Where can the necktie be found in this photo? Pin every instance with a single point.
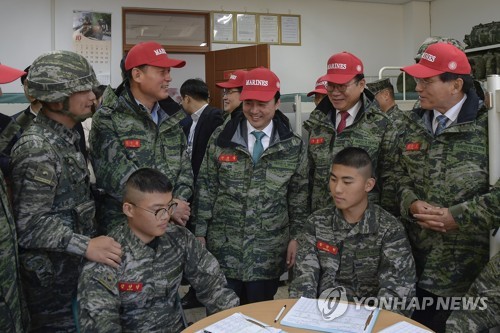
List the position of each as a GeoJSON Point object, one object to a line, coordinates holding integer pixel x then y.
{"type": "Point", "coordinates": [258, 148]}
{"type": "Point", "coordinates": [441, 119]}
{"type": "Point", "coordinates": [343, 121]}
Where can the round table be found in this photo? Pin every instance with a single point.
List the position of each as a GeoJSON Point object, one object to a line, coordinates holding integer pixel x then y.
{"type": "Point", "coordinates": [267, 311]}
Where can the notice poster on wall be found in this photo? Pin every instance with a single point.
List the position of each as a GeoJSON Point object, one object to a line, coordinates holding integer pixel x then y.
{"type": "Point", "coordinates": [92, 39]}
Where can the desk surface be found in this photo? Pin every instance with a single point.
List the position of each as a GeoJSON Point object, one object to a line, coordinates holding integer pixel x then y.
{"type": "Point", "coordinates": [267, 311]}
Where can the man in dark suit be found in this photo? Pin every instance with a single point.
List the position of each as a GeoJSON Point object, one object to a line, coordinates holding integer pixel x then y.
{"type": "Point", "coordinates": [201, 121]}
{"type": "Point", "coordinates": [198, 126]}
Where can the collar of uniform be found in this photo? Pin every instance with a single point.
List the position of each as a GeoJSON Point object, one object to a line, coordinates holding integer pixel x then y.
{"type": "Point", "coordinates": [67, 134]}
{"type": "Point", "coordinates": [235, 131]}
{"type": "Point", "coordinates": [135, 244]}
{"type": "Point", "coordinates": [367, 225]}
{"type": "Point", "coordinates": [268, 130]}
{"type": "Point", "coordinates": [155, 107]}
{"type": "Point", "coordinates": [353, 112]}
{"type": "Point", "coordinates": [469, 111]}
{"type": "Point", "coordinates": [452, 113]}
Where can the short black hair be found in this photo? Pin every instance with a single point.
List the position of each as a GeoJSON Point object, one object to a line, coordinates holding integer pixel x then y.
{"type": "Point", "coordinates": [99, 90]}
{"type": "Point", "coordinates": [149, 180]}
{"type": "Point", "coordinates": [359, 77]}
{"type": "Point", "coordinates": [353, 157]}
{"type": "Point", "coordinates": [277, 97]}
{"type": "Point", "coordinates": [466, 78]}
{"type": "Point", "coordinates": [23, 78]}
{"type": "Point", "coordinates": [195, 88]}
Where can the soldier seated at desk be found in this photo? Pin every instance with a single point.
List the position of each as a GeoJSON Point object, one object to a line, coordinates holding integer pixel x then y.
{"type": "Point", "coordinates": [141, 295]}
{"type": "Point", "coordinates": [354, 244]}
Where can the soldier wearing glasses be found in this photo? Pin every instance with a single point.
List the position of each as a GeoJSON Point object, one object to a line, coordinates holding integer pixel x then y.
{"type": "Point", "coordinates": [347, 118]}
{"type": "Point", "coordinates": [141, 295]}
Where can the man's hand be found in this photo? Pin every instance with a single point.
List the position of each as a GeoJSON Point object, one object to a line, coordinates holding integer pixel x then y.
{"type": "Point", "coordinates": [182, 212]}
{"type": "Point", "coordinates": [422, 207]}
{"type": "Point", "coordinates": [439, 219]}
{"type": "Point", "coordinates": [291, 253]}
{"type": "Point", "coordinates": [105, 250]}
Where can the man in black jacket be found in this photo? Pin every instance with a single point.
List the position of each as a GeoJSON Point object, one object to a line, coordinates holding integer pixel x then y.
{"type": "Point", "coordinates": [201, 121]}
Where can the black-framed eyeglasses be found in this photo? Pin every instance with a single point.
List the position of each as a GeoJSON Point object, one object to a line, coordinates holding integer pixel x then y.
{"type": "Point", "coordinates": [229, 92]}
{"type": "Point", "coordinates": [162, 213]}
{"type": "Point", "coordinates": [330, 87]}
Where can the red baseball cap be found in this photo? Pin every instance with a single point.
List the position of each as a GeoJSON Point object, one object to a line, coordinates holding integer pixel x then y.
{"type": "Point", "coordinates": [150, 53]}
{"type": "Point", "coordinates": [343, 67]}
{"type": "Point", "coordinates": [260, 84]}
{"type": "Point", "coordinates": [9, 74]}
{"type": "Point", "coordinates": [236, 80]}
{"type": "Point", "coordinates": [437, 59]}
{"type": "Point", "coordinates": [320, 87]}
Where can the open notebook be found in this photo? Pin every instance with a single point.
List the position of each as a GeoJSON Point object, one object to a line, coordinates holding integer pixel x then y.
{"type": "Point", "coordinates": [238, 322]}
{"type": "Point", "coordinates": [306, 314]}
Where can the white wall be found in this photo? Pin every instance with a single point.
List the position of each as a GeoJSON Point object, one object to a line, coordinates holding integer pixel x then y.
{"type": "Point", "coordinates": [374, 32]}
{"type": "Point", "coordinates": [25, 33]}
{"type": "Point", "coordinates": [379, 34]}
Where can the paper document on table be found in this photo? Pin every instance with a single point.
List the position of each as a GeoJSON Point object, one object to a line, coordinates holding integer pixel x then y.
{"type": "Point", "coordinates": [238, 322]}
{"type": "Point", "coordinates": [306, 314]}
{"type": "Point", "coordinates": [404, 327]}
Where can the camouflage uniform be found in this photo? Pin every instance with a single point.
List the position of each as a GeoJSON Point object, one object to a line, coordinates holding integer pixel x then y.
{"type": "Point", "coordinates": [486, 285]}
{"type": "Point", "coordinates": [13, 315]}
{"type": "Point", "coordinates": [370, 259]}
{"type": "Point", "coordinates": [11, 129]}
{"type": "Point", "coordinates": [248, 213]}
{"type": "Point", "coordinates": [392, 111]}
{"type": "Point", "coordinates": [449, 170]}
{"type": "Point", "coordinates": [367, 132]}
{"type": "Point", "coordinates": [108, 305]}
{"type": "Point", "coordinates": [123, 139]}
{"type": "Point", "coordinates": [54, 210]}
{"type": "Point", "coordinates": [53, 207]}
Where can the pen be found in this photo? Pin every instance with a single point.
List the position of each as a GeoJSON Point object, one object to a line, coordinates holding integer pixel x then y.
{"type": "Point", "coordinates": [280, 313]}
{"type": "Point", "coordinates": [368, 320]}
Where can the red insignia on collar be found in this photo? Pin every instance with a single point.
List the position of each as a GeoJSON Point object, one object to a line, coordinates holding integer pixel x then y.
{"type": "Point", "coordinates": [228, 158]}
{"type": "Point", "coordinates": [132, 143]}
{"type": "Point", "coordinates": [413, 146]}
{"type": "Point", "coordinates": [130, 286]}
{"type": "Point", "coordinates": [316, 141]}
{"type": "Point", "coordinates": [327, 247]}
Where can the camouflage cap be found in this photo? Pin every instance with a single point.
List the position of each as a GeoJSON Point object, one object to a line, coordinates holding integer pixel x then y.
{"type": "Point", "coordinates": [434, 40]}
{"type": "Point", "coordinates": [379, 85]}
{"type": "Point", "coordinates": [56, 75]}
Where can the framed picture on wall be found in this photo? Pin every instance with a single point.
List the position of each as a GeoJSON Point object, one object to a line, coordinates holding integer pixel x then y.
{"type": "Point", "coordinates": [246, 28]}
{"type": "Point", "coordinates": [269, 29]}
{"type": "Point", "coordinates": [176, 31]}
{"type": "Point", "coordinates": [290, 29]}
{"type": "Point", "coordinates": [223, 27]}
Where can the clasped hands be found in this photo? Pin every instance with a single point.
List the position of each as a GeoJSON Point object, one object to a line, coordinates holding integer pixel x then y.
{"type": "Point", "coordinates": [433, 217]}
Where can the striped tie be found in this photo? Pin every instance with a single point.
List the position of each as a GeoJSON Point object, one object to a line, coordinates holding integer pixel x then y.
{"type": "Point", "coordinates": [442, 120]}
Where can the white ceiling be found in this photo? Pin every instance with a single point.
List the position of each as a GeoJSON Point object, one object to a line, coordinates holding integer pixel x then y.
{"type": "Point", "coordinates": [393, 2]}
